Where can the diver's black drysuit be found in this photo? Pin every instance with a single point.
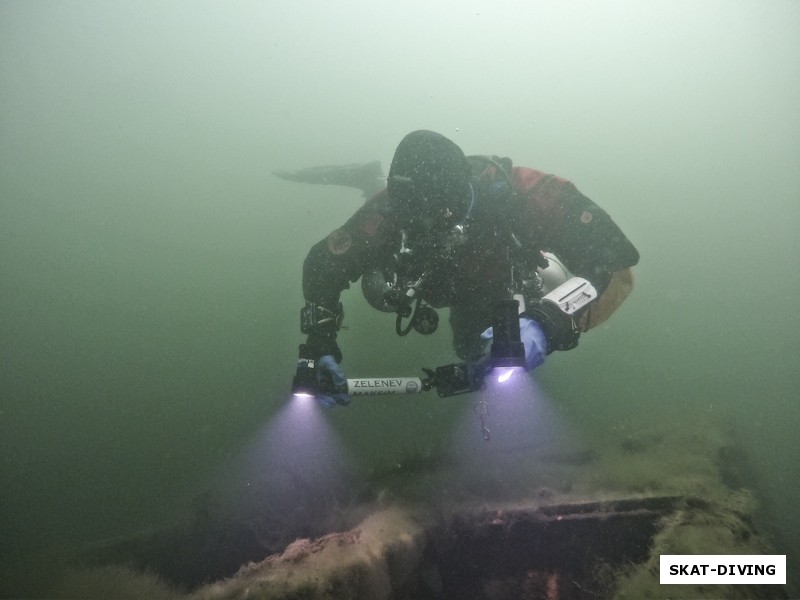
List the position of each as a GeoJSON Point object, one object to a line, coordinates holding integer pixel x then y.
{"type": "Point", "coordinates": [535, 213]}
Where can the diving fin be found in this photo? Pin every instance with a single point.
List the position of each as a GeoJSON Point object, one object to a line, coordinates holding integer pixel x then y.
{"type": "Point", "coordinates": [367, 177]}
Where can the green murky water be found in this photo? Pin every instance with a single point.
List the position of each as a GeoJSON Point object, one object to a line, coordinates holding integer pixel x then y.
{"type": "Point", "coordinates": [150, 263]}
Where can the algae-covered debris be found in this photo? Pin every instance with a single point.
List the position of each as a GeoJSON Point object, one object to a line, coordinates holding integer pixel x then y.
{"type": "Point", "coordinates": [576, 523]}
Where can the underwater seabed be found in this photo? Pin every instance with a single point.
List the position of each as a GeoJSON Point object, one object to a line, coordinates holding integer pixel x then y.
{"type": "Point", "coordinates": [583, 522]}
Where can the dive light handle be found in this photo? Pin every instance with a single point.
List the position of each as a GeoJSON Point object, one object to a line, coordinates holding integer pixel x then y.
{"type": "Point", "coordinates": [384, 386]}
{"type": "Point", "coordinates": [572, 295]}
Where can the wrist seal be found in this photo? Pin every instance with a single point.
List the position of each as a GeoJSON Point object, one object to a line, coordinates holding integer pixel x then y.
{"type": "Point", "coordinates": [321, 324]}
{"type": "Point", "coordinates": [315, 318]}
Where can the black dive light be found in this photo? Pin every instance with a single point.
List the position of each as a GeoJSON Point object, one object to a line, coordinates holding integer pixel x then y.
{"type": "Point", "coordinates": [305, 377]}
{"type": "Point", "coordinates": [507, 349]}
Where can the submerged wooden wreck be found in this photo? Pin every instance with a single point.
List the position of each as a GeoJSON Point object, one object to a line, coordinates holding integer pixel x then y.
{"type": "Point", "coordinates": [577, 524]}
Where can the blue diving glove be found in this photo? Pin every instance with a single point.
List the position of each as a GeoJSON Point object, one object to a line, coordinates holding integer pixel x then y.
{"type": "Point", "coordinates": [332, 383]}
{"type": "Point", "coordinates": [533, 339]}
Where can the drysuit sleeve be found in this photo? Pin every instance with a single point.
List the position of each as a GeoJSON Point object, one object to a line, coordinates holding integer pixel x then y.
{"type": "Point", "coordinates": [335, 262]}
{"type": "Point", "coordinates": [329, 267]}
{"type": "Point", "coordinates": [565, 222]}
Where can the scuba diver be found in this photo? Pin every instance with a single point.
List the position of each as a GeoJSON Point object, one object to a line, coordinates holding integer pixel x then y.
{"type": "Point", "coordinates": [474, 234]}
